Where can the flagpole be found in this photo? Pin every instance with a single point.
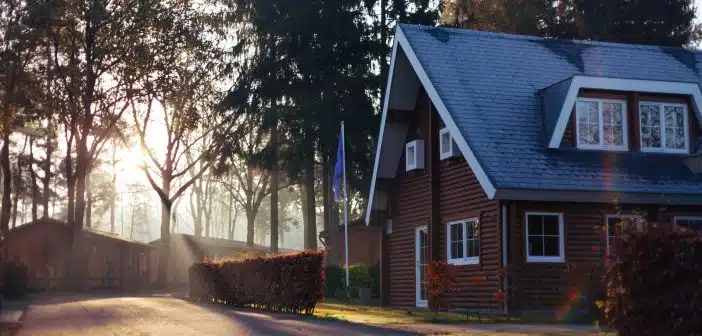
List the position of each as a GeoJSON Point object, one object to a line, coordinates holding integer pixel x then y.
{"type": "Point", "coordinates": [346, 216]}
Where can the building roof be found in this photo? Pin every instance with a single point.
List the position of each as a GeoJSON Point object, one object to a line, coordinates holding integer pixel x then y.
{"type": "Point", "coordinates": [63, 224]}
{"type": "Point", "coordinates": [212, 242]}
{"type": "Point", "coordinates": [502, 94]}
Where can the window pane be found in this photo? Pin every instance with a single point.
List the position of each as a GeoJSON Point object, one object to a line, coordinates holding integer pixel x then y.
{"type": "Point", "coordinates": [473, 248]}
{"type": "Point", "coordinates": [674, 127]}
{"type": "Point", "coordinates": [612, 117]}
{"type": "Point", "coordinates": [445, 142]}
{"type": "Point", "coordinates": [551, 246]}
{"type": "Point", "coordinates": [536, 246]}
{"type": "Point", "coordinates": [535, 224]}
{"type": "Point", "coordinates": [456, 241]}
{"type": "Point", "coordinates": [457, 250]}
{"type": "Point", "coordinates": [650, 126]}
{"type": "Point", "coordinates": [694, 224]}
{"type": "Point", "coordinates": [551, 225]}
{"type": "Point", "coordinates": [410, 155]}
{"type": "Point", "coordinates": [588, 122]}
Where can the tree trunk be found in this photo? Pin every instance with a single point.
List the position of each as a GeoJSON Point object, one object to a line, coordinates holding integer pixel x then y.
{"type": "Point", "coordinates": [310, 213]}
{"type": "Point", "coordinates": [275, 175]}
{"type": "Point", "coordinates": [165, 231]}
{"type": "Point", "coordinates": [208, 209]}
{"type": "Point", "coordinates": [250, 226]}
{"type": "Point", "coordinates": [47, 170]}
{"type": "Point", "coordinates": [89, 200]}
{"type": "Point", "coordinates": [18, 184]}
{"type": "Point", "coordinates": [113, 202]}
{"type": "Point", "coordinates": [174, 215]}
{"type": "Point", "coordinates": [232, 220]}
{"type": "Point", "coordinates": [70, 185]}
{"type": "Point", "coordinates": [33, 178]}
{"type": "Point", "coordinates": [7, 185]}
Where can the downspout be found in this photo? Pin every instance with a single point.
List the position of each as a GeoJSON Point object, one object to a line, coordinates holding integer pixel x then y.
{"type": "Point", "coordinates": [504, 257]}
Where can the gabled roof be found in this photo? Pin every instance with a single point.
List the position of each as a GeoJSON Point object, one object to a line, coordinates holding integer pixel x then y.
{"type": "Point", "coordinates": [213, 242]}
{"type": "Point", "coordinates": [63, 225]}
{"type": "Point", "coordinates": [490, 90]}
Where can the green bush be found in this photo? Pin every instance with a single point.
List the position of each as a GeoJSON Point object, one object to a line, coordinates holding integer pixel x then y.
{"type": "Point", "coordinates": [359, 277]}
{"type": "Point", "coordinates": [15, 280]}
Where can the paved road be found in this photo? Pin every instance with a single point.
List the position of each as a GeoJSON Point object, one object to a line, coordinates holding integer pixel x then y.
{"type": "Point", "coordinates": [146, 316]}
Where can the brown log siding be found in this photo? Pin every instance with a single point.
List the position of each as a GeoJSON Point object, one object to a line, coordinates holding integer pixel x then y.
{"type": "Point", "coordinates": [547, 285]}
{"type": "Point", "coordinates": [460, 197]}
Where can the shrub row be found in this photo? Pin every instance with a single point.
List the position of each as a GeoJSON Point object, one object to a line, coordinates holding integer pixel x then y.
{"type": "Point", "coordinates": [289, 283]}
{"type": "Point", "coordinates": [654, 284]}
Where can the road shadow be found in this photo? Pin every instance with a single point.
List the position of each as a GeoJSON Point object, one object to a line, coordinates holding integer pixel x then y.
{"type": "Point", "coordinates": [273, 323]}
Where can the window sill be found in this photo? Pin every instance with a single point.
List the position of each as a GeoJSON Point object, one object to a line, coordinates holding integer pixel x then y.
{"type": "Point", "coordinates": [602, 148]}
{"type": "Point", "coordinates": [545, 259]}
{"type": "Point", "coordinates": [464, 261]}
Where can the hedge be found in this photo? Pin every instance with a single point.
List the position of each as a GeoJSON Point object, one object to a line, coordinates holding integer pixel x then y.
{"type": "Point", "coordinates": [287, 283]}
{"type": "Point", "coordinates": [654, 284]}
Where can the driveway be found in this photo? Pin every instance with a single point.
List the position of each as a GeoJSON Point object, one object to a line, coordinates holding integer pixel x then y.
{"type": "Point", "coordinates": [165, 315]}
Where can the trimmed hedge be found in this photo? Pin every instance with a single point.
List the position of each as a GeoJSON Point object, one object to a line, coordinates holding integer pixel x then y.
{"type": "Point", "coordinates": [288, 283]}
{"type": "Point", "coordinates": [654, 284]}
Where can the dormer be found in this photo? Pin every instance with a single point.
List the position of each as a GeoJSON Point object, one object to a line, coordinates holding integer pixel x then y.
{"type": "Point", "coordinates": [612, 114]}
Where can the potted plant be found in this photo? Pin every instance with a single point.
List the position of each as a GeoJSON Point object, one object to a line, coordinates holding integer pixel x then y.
{"type": "Point", "coordinates": [360, 282]}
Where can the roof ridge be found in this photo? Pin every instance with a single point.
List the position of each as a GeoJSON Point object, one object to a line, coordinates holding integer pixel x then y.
{"type": "Point", "coordinates": [538, 38]}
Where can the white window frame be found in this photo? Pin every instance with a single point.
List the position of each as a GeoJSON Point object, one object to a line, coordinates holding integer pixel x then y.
{"type": "Point", "coordinates": [418, 147]}
{"type": "Point", "coordinates": [663, 148]}
{"type": "Point", "coordinates": [601, 146]}
{"type": "Point", "coordinates": [463, 260]}
{"type": "Point", "coordinates": [452, 150]}
{"type": "Point", "coordinates": [636, 219]}
{"type": "Point", "coordinates": [676, 218]}
{"type": "Point", "coordinates": [561, 239]}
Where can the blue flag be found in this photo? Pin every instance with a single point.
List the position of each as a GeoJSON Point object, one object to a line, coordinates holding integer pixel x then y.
{"type": "Point", "coordinates": [338, 168]}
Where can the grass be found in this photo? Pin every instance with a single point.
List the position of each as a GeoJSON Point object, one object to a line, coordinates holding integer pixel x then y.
{"type": "Point", "coordinates": [382, 315]}
{"type": "Point", "coordinates": [388, 316]}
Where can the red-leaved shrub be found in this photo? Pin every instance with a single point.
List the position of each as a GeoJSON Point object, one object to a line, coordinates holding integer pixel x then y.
{"type": "Point", "coordinates": [654, 284]}
{"type": "Point", "coordinates": [441, 278]}
{"type": "Point", "coordinates": [289, 283]}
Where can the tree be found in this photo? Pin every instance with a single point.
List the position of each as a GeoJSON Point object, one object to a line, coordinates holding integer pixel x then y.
{"type": "Point", "coordinates": [667, 23]}
{"type": "Point", "coordinates": [184, 64]}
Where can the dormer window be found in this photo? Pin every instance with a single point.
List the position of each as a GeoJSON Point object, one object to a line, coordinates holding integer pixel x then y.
{"type": "Point", "coordinates": [664, 127]}
{"type": "Point", "coordinates": [447, 147]}
{"type": "Point", "coordinates": [601, 124]}
{"type": "Point", "coordinates": [414, 155]}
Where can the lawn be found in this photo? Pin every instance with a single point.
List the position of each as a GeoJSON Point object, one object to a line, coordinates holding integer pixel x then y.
{"type": "Point", "coordinates": [425, 322]}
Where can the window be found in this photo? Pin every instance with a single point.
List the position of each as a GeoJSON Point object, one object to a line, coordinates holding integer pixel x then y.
{"type": "Point", "coordinates": [414, 155]}
{"type": "Point", "coordinates": [694, 223]}
{"type": "Point", "coordinates": [544, 237]}
{"type": "Point", "coordinates": [463, 242]}
{"type": "Point", "coordinates": [446, 144]}
{"type": "Point", "coordinates": [616, 225]}
{"type": "Point", "coordinates": [664, 127]}
{"type": "Point", "coordinates": [601, 124]}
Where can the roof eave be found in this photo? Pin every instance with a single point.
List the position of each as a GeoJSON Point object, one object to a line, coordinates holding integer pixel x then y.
{"type": "Point", "coordinates": [598, 196]}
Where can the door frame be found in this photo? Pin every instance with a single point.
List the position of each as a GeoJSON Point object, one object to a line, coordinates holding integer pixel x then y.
{"type": "Point", "coordinates": [418, 282]}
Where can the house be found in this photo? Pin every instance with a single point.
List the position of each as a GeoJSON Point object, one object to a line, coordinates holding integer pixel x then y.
{"type": "Point", "coordinates": [186, 250]}
{"type": "Point", "coordinates": [517, 155]}
{"type": "Point", "coordinates": [44, 246]}
{"type": "Point", "coordinates": [358, 235]}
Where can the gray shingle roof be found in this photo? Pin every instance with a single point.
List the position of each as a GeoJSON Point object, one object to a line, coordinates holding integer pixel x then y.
{"type": "Point", "coordinates": [490, 84]}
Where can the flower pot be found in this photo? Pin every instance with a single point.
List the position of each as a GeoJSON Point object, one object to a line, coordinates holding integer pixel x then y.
{"type": "Point", "coordinates": [364, 295]}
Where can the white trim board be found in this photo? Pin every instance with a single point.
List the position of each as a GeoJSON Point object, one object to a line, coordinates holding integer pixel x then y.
{"type": "Point", "coordinates": [619, 84]}
{"type": "Point", "coordinates": [402, 42]}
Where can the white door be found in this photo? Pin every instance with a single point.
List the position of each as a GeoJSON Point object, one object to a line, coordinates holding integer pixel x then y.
{"type": "Point", "coordinates": [421, 257]}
